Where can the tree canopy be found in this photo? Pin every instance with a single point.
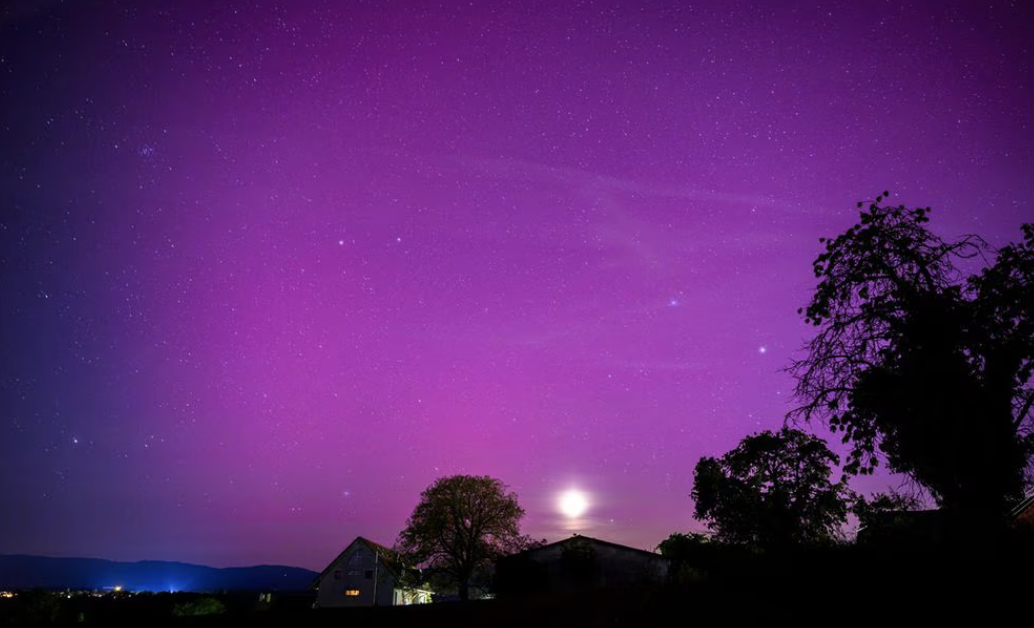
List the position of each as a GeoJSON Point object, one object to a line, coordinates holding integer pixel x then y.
{"type": "Point", "coordinates": [462, 524]}
{"type": "Point", "coordinates": [923, 356]}
{"type": "Point", "coordinates": [772, 491]}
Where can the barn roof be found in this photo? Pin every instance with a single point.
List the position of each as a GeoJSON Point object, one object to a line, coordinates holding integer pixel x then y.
{"type": "Point", "coordinates": [1022, 507]}
{"type": "Point", "coordinates": [580, 538]}
{"type": "Point", "coordinates": [387, 556]}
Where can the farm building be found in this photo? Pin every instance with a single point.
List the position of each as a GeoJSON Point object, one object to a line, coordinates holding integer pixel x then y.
{"type": "Point", "coordinates": [366, 574]}
{"type": "Point", "coordinates": [579, 563]}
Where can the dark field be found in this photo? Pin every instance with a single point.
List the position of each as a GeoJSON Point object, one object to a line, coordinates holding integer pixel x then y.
{"type": "Point", "coordinates": [816, 590]}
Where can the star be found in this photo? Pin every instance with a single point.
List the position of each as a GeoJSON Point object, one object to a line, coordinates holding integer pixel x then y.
{"type": "Point", "coordinates": [569, 221]}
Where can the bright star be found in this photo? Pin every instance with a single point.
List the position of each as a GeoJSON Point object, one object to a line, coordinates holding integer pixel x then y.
{"type": "Point", "coordinates": [762, 349]}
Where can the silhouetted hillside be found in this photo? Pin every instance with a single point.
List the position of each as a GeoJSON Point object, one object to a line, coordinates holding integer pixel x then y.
{"type": "Point", "coordinates": [24, 572]}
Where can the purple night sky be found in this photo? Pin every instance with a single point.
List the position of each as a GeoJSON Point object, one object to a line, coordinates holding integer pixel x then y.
{"type": "Point", "coordinates": [268, 271]}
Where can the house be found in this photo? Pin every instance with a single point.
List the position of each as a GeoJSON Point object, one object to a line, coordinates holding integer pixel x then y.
{"type": "Point", "coordinates": [366, 574]}
{"type": "Point", "coordinates": [911, 529]}
{"type": "Point", "coordinates": [1023, 512]}
{"type": "Point", "coordinates": [928, 528]}
{"type": "Point", "coordinates": [578, 563]}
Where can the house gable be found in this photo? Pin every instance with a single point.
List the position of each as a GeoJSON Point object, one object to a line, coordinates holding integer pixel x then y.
{"type": "Point", "coordinates": [364, 574]}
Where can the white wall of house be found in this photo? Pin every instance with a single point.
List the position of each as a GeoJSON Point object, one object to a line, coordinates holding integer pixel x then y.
{"type": "Point", "coordinates": [356, 578]}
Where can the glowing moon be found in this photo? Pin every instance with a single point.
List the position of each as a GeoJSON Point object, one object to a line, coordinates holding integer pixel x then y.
{"type": "Point", "coordinates": [573, 504]}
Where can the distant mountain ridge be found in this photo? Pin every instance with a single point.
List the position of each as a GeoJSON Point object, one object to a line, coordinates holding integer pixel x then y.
{"type": "Point", "coordinates": [19, 571]}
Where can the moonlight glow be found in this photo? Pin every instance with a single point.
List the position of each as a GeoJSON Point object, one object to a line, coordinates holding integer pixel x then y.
{"type": "Point", "coordinates": [573, 504]}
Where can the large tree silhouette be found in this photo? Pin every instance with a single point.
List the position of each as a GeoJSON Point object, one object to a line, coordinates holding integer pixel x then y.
{"type": "Point", "coordinates": [772, 491]}
{"type": "Point", "coordinates": [462, 524]}
{"type": "Point", "coordinates": [923, 356]}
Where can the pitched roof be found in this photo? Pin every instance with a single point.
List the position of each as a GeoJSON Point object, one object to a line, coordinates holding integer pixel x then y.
{"type": "Point", "coordinates": [579, 537]}
{"type": "Point", "coordinates": [1022, 507]}
{"type": "Point", "coordinates": [387, 556]}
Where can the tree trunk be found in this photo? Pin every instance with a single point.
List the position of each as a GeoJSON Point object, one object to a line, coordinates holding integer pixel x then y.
{"type": "Point", "coordinates": [464, 589]}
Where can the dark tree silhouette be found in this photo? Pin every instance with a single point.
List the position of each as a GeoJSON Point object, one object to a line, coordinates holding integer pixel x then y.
{"type": "Point", "coordinates": [201, 606]}
{"type": "Point", "coordinates": [680, 544]}
{"type": "Point", "coordinates": [920, 364]}
{"type": "Point", "coordinates": [462, 524]}
{"type": "Point", "coordinates": [772, 491]}
{"type": "Point", "coordinates": [691, 555]}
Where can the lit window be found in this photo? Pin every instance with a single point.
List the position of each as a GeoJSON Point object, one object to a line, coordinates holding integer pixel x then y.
{"type": "Point", "coordinates": [352, 592]}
